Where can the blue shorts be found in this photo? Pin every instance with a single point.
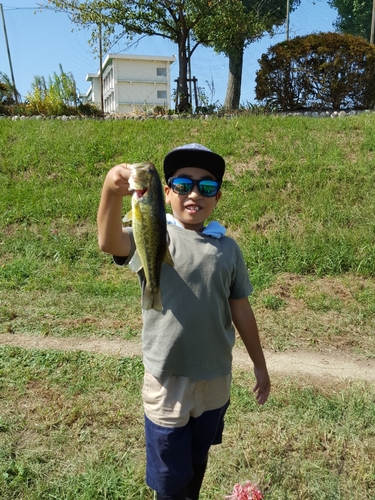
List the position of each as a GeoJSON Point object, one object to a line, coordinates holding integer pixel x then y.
{"type": "Point", "coordinates": [171, 451]}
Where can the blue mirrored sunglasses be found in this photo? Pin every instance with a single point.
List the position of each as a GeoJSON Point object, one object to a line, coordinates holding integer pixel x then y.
{"type": "Point", "coordinates": [184, 185]}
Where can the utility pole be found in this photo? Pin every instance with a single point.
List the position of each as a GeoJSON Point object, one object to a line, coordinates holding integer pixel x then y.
{"type": "Point", "coordinates": [189, 70]}
{"type": "Point", "coordinates": [287, 19]}
{"type": "Point", "coordinates": [372, 23]}
{"type": "Point", "coordinates": [101, 67]}
{"type": "Point", "coordinates": [9, 58]}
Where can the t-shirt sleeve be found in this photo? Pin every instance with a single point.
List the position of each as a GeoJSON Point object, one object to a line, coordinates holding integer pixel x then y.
{"type": "Point", "coordinates": [241, 286]}
{"type": "Point", "coordinates": [123, 261]}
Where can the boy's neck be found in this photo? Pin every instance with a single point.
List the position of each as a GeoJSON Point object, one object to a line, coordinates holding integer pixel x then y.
{"type": "Point", "coordinates": [214, 228]}
{"type": "Point", "coordinates": [189, 227]}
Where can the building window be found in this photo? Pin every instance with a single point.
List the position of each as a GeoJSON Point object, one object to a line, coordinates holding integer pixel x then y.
{"type": "Point", "coordinates": [162, 94]}
{"type": "Point", "coordinates": [161, 71]}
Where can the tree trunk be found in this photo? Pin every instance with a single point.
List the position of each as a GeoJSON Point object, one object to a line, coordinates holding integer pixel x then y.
{"type": "Point", "coordinates": [183, 100]}
{"type": "Point", "coordinates": [232, 97]}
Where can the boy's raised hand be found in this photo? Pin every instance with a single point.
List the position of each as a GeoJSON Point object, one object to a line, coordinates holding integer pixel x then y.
{"type": "Point", "coordinates": [111, 237]}
{"type": "Point", "coordinates": [117, 179]}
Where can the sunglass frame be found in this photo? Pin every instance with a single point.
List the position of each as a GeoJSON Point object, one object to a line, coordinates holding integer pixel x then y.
{"type": "Point", "coordinates": [194, 182]}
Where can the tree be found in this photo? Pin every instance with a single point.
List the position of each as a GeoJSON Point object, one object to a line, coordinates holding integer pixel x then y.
{"type": "Point", "coordinates": [174, 20]}
{"type": "Point", "coordinates": [8, 91]}
{"type": "Point", "coordinates": [324, 70]}
{"type": "Point", "coordinates": [233, 26]}
{"type": "Point", "coordinates": [354, 16]}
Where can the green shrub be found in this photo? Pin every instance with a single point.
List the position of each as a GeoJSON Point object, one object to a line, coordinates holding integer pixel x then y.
{"type": "Point", "coordinates": [56, 98]}
{"type": "Point", "coordinates": [325, 70]}
{"type": "Point", "coordinates": [8, 93]}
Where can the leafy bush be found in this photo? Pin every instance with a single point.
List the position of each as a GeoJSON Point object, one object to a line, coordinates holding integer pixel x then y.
{"type": "Point", "coordinates": [59, 97]}
{"type": "Point", "coordinates": [6, 96]}
{"type": "Point", "coordinates": [325, 70]}
{"type": "Point", "coordinates": [25, 109]}
{"type": "Point", "coordinates": [7, 91]}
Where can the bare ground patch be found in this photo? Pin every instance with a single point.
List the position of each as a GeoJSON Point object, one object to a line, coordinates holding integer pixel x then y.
{"type": "Point", "coordinates": [301, 363]}
{"type": "Point", "coordinates": [329, 313]}
{"type": "Point", "coordinates": [309, 326]}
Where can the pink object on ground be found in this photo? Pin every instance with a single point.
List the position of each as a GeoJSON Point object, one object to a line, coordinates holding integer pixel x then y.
{"type": "Point", "coordinates": [248, 491]}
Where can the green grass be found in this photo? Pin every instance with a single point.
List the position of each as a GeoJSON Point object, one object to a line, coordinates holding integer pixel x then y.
{"type": "Point", "coordinates": [298, 191]}
{"type": "Point", "coordinates": [74, 419]}
{"type": "Point", "coordinates": [299, 198]}
{"type": "Point", "coordinates": [71, 427]}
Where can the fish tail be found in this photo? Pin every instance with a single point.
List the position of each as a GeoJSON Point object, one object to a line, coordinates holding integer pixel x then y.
{"type": "Point", "coordinates": [152, 299]}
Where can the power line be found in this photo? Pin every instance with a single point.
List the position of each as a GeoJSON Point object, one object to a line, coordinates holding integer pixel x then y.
{"type": "Point", "coordinates": [37, 7]}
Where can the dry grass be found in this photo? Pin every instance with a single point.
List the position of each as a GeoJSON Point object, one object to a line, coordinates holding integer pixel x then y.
{"type": "Point", "coordinates": [68, 419]}
{"type": "Point", "coordinates": [318, 313]}
{"type": "Point", "coordinates": [294, 312]}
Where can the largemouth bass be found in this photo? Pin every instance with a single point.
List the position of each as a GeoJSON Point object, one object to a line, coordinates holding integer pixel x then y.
{"type": "Point", "coordinates": [149, 229]}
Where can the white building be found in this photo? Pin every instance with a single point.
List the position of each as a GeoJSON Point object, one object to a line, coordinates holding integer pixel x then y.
{"type": "Point", "coordinates": [132, 82]}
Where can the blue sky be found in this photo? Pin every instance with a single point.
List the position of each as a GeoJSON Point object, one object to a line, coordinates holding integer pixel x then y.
{"type": "Point", "coordinates": [40, 41]}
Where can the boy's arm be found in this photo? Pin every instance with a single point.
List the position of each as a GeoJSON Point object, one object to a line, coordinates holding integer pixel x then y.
{"type": "Point", "coordinates": [245, 323]}
{"type": "Point", "coordinates": [112, 238]}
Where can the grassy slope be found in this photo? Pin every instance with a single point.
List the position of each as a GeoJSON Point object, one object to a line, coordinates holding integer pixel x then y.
{"type": "Point", "coordinates": [299, 198]}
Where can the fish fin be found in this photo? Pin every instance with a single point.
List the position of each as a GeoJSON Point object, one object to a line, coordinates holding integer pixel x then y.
{"type": "Point", "coordinates": [168, 258]}
{"type": "Point", "coordinates": [151, 299]}
{"type": "Point", "coordinates": [128, 217]}
{"type": "Point", "coordinates": [135, 263]}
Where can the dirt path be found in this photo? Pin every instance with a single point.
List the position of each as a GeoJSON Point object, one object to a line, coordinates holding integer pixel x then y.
{"type": "Point", "coordinates": [304, 364]}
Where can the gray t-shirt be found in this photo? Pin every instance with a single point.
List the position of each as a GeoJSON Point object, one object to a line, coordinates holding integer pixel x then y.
{"type": "Point", "coordinates": [194, 334]}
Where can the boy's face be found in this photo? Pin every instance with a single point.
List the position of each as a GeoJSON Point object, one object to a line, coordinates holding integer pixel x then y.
{"type": "Point", "coordinates": [191, 209]}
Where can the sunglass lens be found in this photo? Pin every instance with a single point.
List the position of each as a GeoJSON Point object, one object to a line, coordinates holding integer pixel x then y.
{"type": "Point", "coordinates": [208, 188]}
{"type": "Point", "coordinates": [181, 185]}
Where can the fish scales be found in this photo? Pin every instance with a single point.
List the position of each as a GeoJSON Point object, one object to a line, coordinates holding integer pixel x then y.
{"type": "Point", "coordinates": [149, 229]}
{"type": "Point", "coordinates": [150, 238]}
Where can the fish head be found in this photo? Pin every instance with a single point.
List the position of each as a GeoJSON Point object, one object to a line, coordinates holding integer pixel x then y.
{"type": "Point", "coordinates": [141, 177]}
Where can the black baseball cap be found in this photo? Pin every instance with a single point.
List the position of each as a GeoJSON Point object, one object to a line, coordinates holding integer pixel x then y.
{"type": "Point", "coordinates": [194, 155]}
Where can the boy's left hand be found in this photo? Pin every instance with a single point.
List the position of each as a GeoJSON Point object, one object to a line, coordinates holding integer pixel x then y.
{"type": "Point", "coordinates": [263, 385]}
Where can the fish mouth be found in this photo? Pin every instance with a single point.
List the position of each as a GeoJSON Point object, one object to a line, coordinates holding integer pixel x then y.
{"type": "Point", "coordinates": [139, 193]}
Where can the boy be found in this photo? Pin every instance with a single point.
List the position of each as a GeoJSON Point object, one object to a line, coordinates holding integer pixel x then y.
{"type": "Point", "coordinates": [187, 348]}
